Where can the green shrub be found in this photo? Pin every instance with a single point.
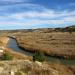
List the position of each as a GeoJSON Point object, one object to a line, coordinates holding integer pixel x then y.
{"type": "Point", "coordinates": [18, 73]}
{"type": "Point", "coordinates": [39, 56]}
{"type": "Point", "coordinates": [6, 56]}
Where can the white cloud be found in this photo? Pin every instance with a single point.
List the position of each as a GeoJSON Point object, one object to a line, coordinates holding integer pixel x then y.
{"type": "Point", "coordinates": [32, 14]}
{"type": "Point", "coordinates": [33, 18]}
{"type": "Point", "coordinates": [72, 4]}
{"type": "Point", "coordinates": [30, 17]}
{"type": "Point", "coordinates": [51, 14]}
{"type": "Point", "coordinates": [13, 23]}
{"type": "Point", "coordinates": [69, 19]}
{"type": "Point", "coordinates": [46, 22]}
{"type": "Point", "coordinates": [15, 0]}
{"type": "Point", "coordinates": [22, 8]}
{"type": "Point", "coordinates": [32, 22]}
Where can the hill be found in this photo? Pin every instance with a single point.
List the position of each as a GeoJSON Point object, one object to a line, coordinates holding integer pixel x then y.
{"type": "Point", "coordinates": [58, 42]}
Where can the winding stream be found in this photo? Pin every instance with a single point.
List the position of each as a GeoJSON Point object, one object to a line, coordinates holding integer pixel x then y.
{"type": "Point", "coordinates": [13, 45]}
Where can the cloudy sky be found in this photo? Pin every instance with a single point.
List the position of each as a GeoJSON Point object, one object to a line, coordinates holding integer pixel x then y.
{"type": "Point", "coordinates": [26, 14]}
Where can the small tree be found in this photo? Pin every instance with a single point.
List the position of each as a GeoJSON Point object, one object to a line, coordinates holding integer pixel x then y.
{"type": "Point", "coordinates": [6, 56]}
{"type": "Point", "coordinates": [39, 56]}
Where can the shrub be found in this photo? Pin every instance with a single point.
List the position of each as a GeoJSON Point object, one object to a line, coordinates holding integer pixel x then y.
{"type": "Point", "coordinates": [6, 56]}
{"type": "Point", "coordinates": [18, 73]}
{"type": "Point", "coordinates": [39, 56]}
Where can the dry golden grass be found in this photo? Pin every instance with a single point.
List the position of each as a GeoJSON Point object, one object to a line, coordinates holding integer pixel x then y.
{"type": "Point", "coordinates": [55, 43]}
{"type": "Point", "coordinates": [32, 68]}
{"type": "Point", "coordinates": [72, 68]}
{"type": "Point", "coordinates": [46, 69]}
{"type": "Point", "coordinates": [3, 40]}
{"type": "Point", "coordinates": [17, 55]}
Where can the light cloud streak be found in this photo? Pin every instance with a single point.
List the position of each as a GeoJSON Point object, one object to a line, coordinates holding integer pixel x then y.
{"type": "Point", "coordinates": [29, 14]}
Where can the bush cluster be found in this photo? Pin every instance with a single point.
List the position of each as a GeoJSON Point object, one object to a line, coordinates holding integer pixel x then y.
{"type": "Point", "coordinates": [39, 56]}
{"type": "Point", "coordinates": [6, 56]}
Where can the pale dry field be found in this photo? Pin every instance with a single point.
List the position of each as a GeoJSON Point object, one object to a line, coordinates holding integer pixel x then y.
{"type": "Point", "coordinates": [52, 43]}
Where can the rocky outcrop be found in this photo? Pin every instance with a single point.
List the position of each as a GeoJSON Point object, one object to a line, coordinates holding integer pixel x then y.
{"type": "Point", "coordinates": [26, 67]}
{"type": "Point", "coordinates": [72, 68]}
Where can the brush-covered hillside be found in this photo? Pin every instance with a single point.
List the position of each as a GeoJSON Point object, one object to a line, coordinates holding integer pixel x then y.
{"type": "Point", "coordinates": [52, 41]}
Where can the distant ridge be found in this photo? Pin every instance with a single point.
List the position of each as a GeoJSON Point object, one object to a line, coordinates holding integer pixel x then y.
{"type": "Point", "coordinates": [65, 29]}
{"type": "Point", "coordinates": [73, 26]}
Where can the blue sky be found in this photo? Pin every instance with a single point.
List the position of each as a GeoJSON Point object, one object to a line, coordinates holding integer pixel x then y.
{"type": "Point", "coordinates": [27, 14]}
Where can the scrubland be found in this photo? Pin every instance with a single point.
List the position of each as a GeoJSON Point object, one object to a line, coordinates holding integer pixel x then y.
{"type": "Point", "coordinates": [54, 42]}
{"type": "Point", "coordinates": [51, 43]}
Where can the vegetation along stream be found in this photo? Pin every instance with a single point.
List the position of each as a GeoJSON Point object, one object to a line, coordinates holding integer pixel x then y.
{"type": "Point", "coordinates": [13, 45]}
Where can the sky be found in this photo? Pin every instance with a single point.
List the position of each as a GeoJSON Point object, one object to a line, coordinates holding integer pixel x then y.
{"type": "Point", "coordinates": [30, 14]}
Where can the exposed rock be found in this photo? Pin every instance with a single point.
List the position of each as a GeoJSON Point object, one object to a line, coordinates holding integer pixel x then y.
{"type": "Point", "coordinates": [38, 63]}
{"type": "Point", "coordinates": [31, 68]}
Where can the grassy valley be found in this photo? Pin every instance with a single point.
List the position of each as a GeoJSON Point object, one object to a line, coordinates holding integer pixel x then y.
{"type": "Point", "coordinates": [55, 42]}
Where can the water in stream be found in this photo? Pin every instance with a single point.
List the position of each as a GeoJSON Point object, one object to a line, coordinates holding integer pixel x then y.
{"type": "Point", "coordinates": [13, 45]}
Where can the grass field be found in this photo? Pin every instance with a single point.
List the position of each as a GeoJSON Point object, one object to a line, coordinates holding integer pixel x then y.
{"type": "Point", "coordinates": [52, 43]}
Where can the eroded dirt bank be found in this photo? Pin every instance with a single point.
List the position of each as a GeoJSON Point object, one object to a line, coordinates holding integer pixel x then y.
{"type": "Point", "coordinates": [3, 40]}
{"type": "Point", "coordinates": [16, 55]}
